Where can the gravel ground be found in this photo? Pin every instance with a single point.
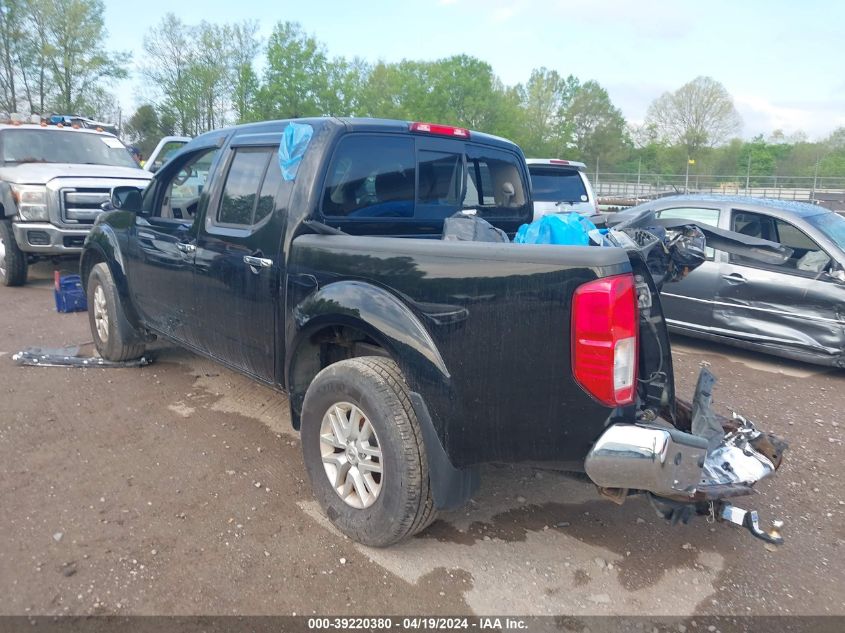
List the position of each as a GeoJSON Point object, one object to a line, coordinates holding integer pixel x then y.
{"type": "Point", "coordinates": [179, 489]}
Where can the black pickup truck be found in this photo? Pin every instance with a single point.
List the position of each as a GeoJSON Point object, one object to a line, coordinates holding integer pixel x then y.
{"type": "Point", "coordinates": [308, 255]}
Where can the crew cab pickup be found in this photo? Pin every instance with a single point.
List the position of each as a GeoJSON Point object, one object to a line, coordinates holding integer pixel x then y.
{"type": "Point", "coordinates": [308, 255]}
{"type": "Point", "coordinates": [53, 180]}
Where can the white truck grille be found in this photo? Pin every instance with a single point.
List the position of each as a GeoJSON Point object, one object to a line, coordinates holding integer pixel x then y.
{"type": "Point", "coordinates": [82, 205]}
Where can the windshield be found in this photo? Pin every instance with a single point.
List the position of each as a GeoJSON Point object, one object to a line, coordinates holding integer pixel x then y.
{"type": "Point", "coordinates": [58, 146]}
{"type": "Point", "coordinates": [557, 185]}
{"type": "Point", "coordinates": [832, 225]}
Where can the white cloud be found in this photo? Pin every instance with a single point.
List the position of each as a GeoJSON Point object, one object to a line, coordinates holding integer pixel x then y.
{"type": "Point", "coordinates": [762, 116]}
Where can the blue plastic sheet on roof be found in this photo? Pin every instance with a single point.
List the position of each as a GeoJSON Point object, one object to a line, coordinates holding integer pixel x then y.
{"type": "Point", "coordinates": [571, 229]}
{"type": "Point", "coordinates": [294, 143]}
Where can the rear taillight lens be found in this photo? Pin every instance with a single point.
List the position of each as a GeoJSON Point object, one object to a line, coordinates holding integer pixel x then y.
{"type": "Point", "coordinates": [604, 339]}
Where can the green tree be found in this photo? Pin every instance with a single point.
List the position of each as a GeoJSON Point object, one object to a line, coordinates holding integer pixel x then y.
{"type": "Point", "coordinates": [347, 81]}
{"type": "Point", "coordinates": [462, 90]}
{"type": "Point", "coordinates": [545, 98]}
{"type": "Point", "coordinates": [143, 129]}
{"type": "Point", "coordinates": [168, 66]}
{"type": "Point", "coordinates": [597, 126]}
{"type": "Point", "coordinates": [401, 91]}
{"type": "Point", "coordinates": [699, 114]}
{"type": "Point", "coordinates": [209, 75]}
{"type": "Point", "coordinates": [78, 62]}
{"type": "Point", "coordinates": [757, 159]}
{"type": "Point", "coordinates": [296, 79]}
{"type": "Point", "coordinates": [245, 47]}
{"type": "Point", "coordinates": [13, 37]}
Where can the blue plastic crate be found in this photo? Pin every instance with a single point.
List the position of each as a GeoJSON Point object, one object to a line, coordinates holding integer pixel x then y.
{"type": "Point", "coordinates": [70, 297]}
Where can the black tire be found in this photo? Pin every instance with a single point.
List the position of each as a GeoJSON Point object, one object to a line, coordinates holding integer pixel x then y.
{"type": "Point", "coordinates": [13, 267]}
{"type": "Point", "coordinates": [118, 341]}
{"type": "Point", "coordinates": [404, 505]}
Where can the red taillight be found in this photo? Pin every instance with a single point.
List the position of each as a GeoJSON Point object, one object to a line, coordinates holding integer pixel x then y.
{"type": "Point", "coordinates": [442, 130]}
{"type": "Point", "coordinates": [604, 339]}
{"type": "Point", "coordinates": [558, 161]}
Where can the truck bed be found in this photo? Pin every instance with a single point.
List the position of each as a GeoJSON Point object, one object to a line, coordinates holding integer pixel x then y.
{"type": "Point", "coordinates": [483, 306]}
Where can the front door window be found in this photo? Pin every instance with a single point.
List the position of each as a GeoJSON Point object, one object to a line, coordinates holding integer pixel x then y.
{"type": "Point", "coordinates": [807, 256]}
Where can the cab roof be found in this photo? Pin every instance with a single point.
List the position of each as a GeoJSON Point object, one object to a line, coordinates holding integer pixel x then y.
{"type": "Point", "coordinates": [354, 124]}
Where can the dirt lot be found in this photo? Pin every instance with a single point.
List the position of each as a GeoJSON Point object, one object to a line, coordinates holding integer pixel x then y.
{"type": "Point", "coordinates": [179, 489]}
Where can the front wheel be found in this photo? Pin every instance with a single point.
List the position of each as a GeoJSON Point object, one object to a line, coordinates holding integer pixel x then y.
{"type": "Point", "coordinates": [364, 452]}
{"type": "Point", "coordinates": [114, 336]}
{"type": "Point", "coordinates": [13, 264]}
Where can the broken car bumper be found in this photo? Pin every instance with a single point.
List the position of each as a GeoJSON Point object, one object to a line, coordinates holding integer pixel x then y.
{"type": "Point", "coordinates": [687, 472]}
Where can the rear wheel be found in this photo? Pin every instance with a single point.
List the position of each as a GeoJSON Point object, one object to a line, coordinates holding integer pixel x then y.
{"type": "Point", "coordinates": [13, 264]}
{"type": "Point", "coordinates": [364, 452]}
{"type": "Point", "coordinates": [113, 335]}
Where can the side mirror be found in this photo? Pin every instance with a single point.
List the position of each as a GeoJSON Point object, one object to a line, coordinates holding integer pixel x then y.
{"type": "Point", "coordinates": [154, 167]}
{"type": "Point", "coordinates": [126, 198]}
{"type": "Point", "coordinates": [838, 275]}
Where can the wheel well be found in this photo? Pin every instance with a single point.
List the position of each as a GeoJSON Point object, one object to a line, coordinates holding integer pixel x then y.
{"type": "Point", "coordinates": [322, 348]}
{"type": "Point", "coordinates": [89, 260]}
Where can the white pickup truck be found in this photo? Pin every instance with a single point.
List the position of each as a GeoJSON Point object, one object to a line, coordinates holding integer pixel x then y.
{"type": "Point", "coordinates": [53, 179]}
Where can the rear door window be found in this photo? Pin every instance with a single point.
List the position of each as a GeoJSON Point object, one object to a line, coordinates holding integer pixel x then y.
{"type": "Point", "coordinates": [243, 184]}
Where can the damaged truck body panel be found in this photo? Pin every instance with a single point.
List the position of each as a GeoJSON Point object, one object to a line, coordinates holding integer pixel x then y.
{"type": "Point", "coordinates": [300, 267]}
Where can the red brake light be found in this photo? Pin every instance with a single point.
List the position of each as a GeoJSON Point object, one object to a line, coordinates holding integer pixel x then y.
{"type": "Point", "coordinates": [442, 130]}
{"type": "Point", "coordinates": [558, 161]}
{"type": "Point", "coordinates": [604, 339]}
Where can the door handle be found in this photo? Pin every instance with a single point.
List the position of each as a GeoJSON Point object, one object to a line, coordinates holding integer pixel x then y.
{"type": "Point", "coordinates": [735, 278]}
{"type": "Point", "coordinates": [258, 262]}
{"type": "Point", "coordinates": [186, 247]}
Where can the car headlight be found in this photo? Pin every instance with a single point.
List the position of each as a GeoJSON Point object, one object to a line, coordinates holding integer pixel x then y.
{"type": "Point", "coordinates": [32, 202]}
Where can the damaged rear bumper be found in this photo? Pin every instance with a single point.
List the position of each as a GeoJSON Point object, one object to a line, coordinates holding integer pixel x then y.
{"type": "Point", "coordinates": [689, 472]}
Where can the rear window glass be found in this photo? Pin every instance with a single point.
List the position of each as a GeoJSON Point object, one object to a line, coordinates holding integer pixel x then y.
{"type": "Point", "coordinates": [494, 184]}
{"type": "Point", "coordinates": [381, 176]}
{"type": "Point", "coordinates": [371, 177]}
{"type": "Point", "coordinates": [557, 185]}
{"type": "Point", "coordinates": [440, 177]}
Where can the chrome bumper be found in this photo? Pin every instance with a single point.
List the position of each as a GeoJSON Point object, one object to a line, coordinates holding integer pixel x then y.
{"type": "Point", "coordinates": [689, 473]}
{"type": "Point", "coordinates": [49, 239]}
{"type": "Point", "coordinates": [666, 462]}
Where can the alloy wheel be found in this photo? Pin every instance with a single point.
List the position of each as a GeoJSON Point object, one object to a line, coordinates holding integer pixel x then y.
{"type": "Point", "coordinates": [101, 313]}
{"type": "Point", "coordinates": [352, 456]}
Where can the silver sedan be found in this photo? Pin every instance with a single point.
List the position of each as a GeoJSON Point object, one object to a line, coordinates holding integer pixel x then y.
{"type": "Point", "coordinates": [795, 309]}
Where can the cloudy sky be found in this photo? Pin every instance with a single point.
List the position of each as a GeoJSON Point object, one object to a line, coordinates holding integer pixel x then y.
{"type": "Point", "coordinates": [782, 61]}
